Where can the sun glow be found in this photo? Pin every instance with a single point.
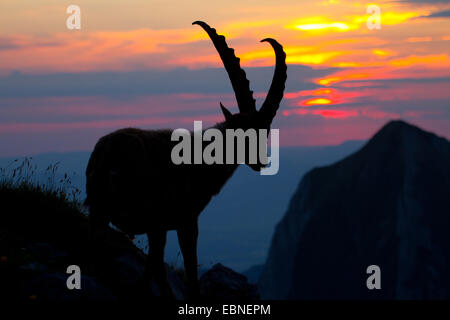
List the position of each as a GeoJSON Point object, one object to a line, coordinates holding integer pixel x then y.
{"type": "Point", "coordinates": [327, 81]}
{"type": "Point", "coordinates": [318, 26]}
{"type": "Point", "coordinates": [317, 101]}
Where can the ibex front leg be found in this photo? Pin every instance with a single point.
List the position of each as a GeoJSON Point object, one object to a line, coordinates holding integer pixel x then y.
{"type": "Point", "coordinates": [187, 238]}
{"type": "Point", "coordinates": [155, 265]}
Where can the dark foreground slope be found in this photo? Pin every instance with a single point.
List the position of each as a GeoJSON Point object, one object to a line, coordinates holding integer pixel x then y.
{"type": "Point", "coordinates": [387, 204]}
{"type": "Point", "coordinates": [42, 233]}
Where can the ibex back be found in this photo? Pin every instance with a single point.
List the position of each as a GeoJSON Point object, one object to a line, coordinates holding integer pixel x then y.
{"type": "Point", "coordinates": [133, 183]}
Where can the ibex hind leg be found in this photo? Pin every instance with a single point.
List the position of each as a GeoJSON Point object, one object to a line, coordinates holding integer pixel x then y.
{"type": "Point", "coordinates": [155, 263]}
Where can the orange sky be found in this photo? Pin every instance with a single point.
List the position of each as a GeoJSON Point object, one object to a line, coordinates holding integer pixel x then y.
{"type": "Point", "coordinates": [317, 33]}
{"type": "Point", "coordinates": [368, 70]}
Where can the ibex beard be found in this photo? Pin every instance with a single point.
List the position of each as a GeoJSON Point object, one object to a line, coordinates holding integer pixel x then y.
{"type": "Point", "coordinates": [132, 182]}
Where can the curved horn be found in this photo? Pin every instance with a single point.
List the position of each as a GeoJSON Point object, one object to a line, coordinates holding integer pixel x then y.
{"type": "Point", "coordinates": [239, 81]}
{"type": "Point", "coordinates": [275, 95]}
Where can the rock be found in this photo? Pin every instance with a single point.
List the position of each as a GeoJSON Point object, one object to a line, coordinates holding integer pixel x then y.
{"type": "Point", "coordinates": [33, 267]}
{"type": "Point", "coordinates": [46, 251]}
{"type": "Point", "coordinates": [178, 287]}
{"type": "Point", "coordinates": [131, 268]}
{"type": "Point", "coordinates": [52, 287]}
{"type": "Point", "coordinates": [223, 284]}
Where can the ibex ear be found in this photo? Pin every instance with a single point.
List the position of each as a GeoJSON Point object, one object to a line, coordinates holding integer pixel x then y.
{"type": "Point", "coordinates": [225, 112]}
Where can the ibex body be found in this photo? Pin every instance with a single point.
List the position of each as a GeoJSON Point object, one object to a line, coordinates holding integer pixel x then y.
{"type": "Point", "coordinates": [133, 183]}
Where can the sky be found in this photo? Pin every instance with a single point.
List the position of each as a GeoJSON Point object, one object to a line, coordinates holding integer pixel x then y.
{"type": "Point", "coordinates": [143, 64]}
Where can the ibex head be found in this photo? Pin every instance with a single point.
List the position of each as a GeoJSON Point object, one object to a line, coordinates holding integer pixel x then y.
{"type": "Point", "coordinates": [248, 116]}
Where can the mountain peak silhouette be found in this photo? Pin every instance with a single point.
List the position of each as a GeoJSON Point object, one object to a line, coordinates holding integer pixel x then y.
{"type": "Point", "coordinates": [386, 205]}
{"type": "Point", "coordinates": [400, 132]}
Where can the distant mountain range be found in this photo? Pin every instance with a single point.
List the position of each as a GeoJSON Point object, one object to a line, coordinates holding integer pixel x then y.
{"type": "Point", "coordinates": [237, 225]}
{"type": "Point", "coordinates": [387, 204]}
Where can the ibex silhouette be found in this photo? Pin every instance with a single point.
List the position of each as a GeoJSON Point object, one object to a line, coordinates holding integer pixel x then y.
{"type": "Point", "coordinates": [132, 182]}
